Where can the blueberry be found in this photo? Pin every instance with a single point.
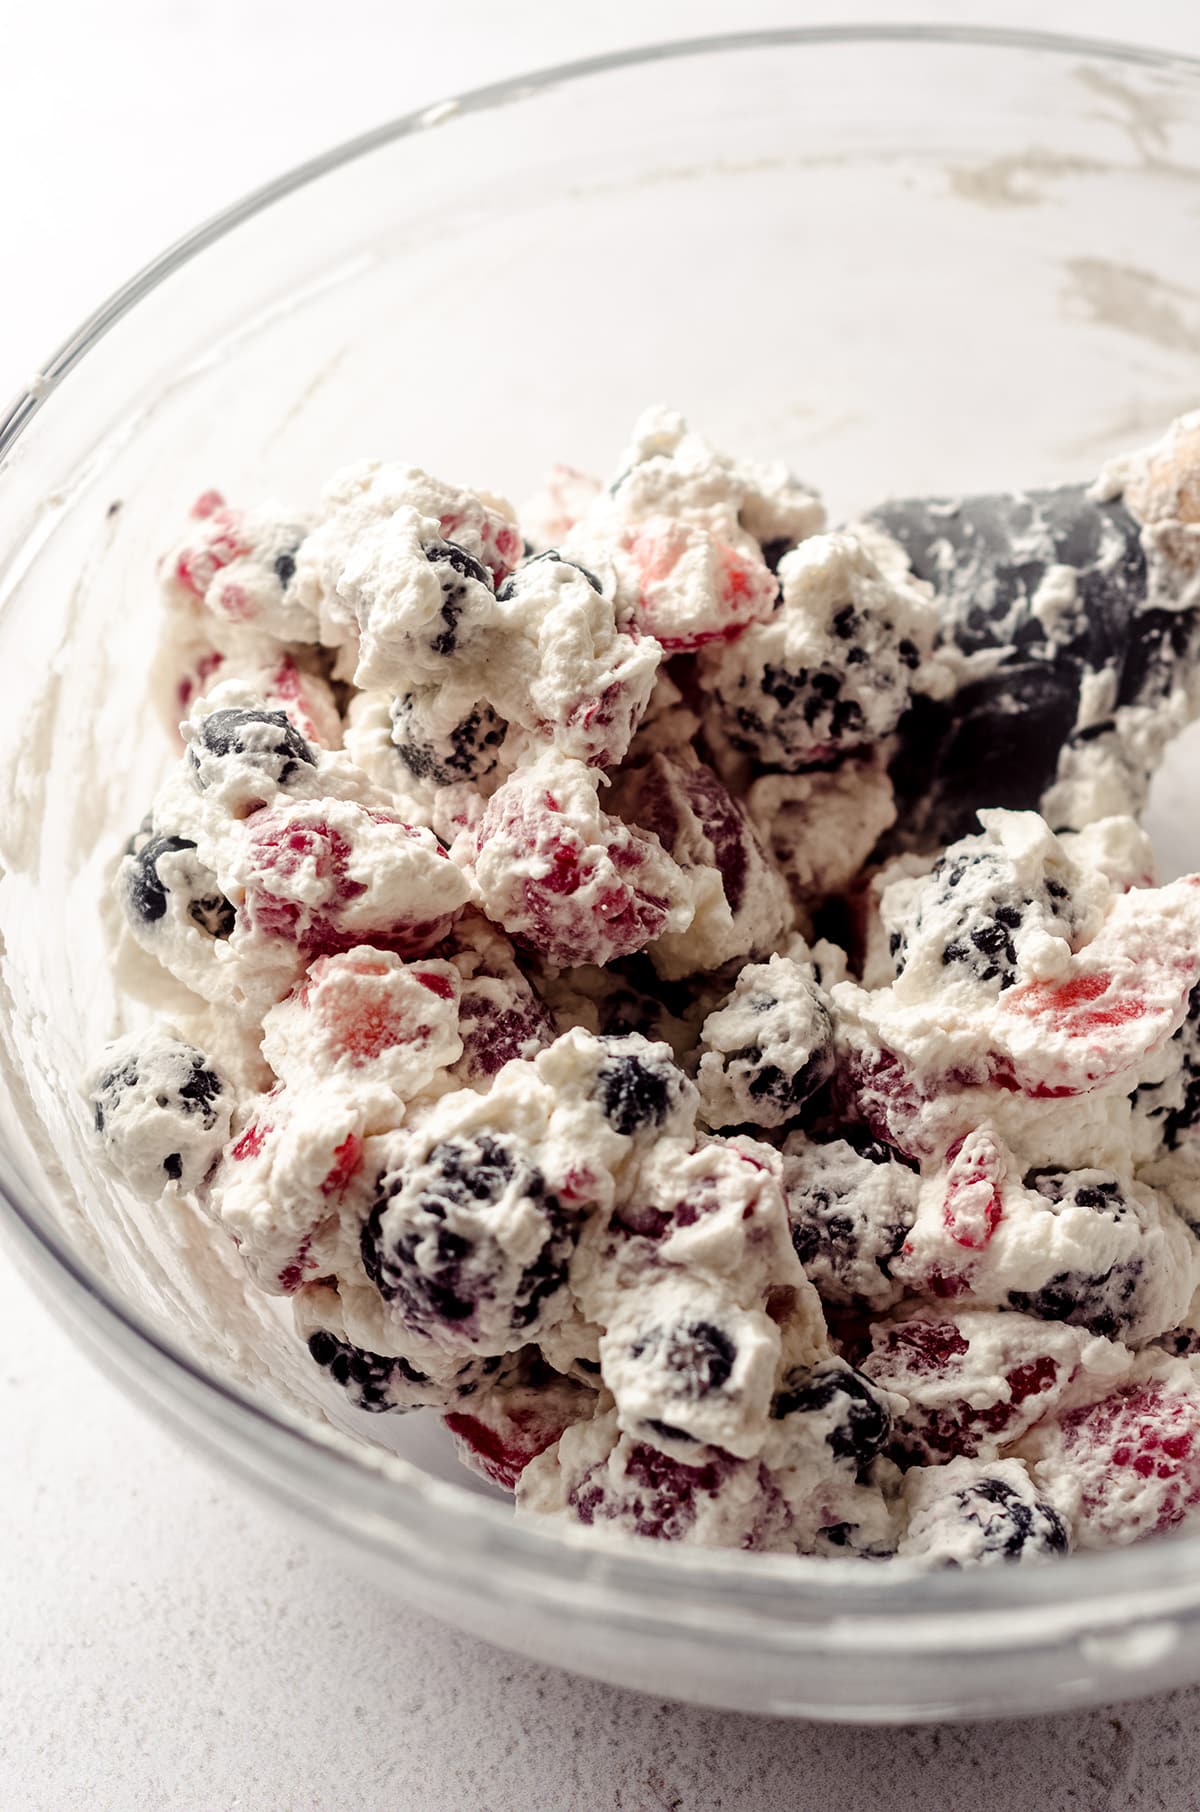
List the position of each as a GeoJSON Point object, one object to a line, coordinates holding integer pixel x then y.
{"type": "Point", "coordinates": [1012, 1527]}
{"type": "Point", "coordinates": [145, 893]}
{"type": "Point", "coordinates": [266, 740]}
{"type": "Point", "coordinates": [285, 567]}
{"type": "Point", "coordinates": [512, 585]}
{"type": "Point", "coordinates": [860, 1423]}
{"type": "Point", "coordinates": [434, 1241]}
{"type": "Point", "coordinates": [634, 1093]}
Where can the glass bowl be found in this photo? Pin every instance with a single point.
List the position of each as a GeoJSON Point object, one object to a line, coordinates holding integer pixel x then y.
{"type": "Point", "coordinates": [904, 260]}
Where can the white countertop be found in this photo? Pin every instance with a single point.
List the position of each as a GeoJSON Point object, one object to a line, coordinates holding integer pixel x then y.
{"type": "Point", "coordinates": [165, 1642]}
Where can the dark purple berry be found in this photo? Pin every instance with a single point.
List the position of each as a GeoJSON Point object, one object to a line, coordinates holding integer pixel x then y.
{"type": "Point", "coordinates": [1109, 1304]}
{"type": "Point", "coordinates": [459, 572]}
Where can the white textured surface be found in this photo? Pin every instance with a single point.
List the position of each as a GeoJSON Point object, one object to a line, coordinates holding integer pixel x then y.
{"type": "Point", "coordinates": [164, 1642]}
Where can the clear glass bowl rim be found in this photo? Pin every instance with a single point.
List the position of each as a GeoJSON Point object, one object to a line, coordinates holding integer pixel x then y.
{"type": "Point", "coordinates": [390, 1504]}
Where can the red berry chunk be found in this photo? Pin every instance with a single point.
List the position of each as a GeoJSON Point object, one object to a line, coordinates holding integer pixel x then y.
{"type": "Point", "coordinates": [974, 1200]}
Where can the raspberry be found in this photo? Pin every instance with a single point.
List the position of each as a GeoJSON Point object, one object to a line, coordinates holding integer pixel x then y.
{"type": "Point", "coordinates": [221, 539]}
{"type": "Point", "coordinates": [365, 1018]}
{"type": "Point", "coordinates": [974, 1200]}
{"type": "Point", "coordinates": [283, 1184]}
{"type": "Point", "coordinates": [523, 1414]}
{"type": "Point", "coordinates": [330, 874]}
{"type": "Point", "coordinates": [978, 1382]}
{"type": "Point", "coordinates": [565, 879]}
{"type": "Point", "coordinates": [743, 908]}
{"type": "Point", "coordinates": [691, 586]}
{"type": "Point", "coordinates": [1146, 1435]}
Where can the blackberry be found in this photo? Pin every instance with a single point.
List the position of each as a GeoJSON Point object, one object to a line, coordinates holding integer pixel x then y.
{"type": "Point", "coordinates": [463, 563]}
{"type": "Point", "coordinates": [365, 1377]}
{"type": "Point", "coordinates": [859, 1421]}
{"type": "Point", "coordinates": [145, 893]}
{"type": "Point", "coordinates": [698, 1356]}
{"type": "Point", "coordinates": [461, 572]}
{"type": "Point", "coordinates": [161, 1110]}
{"type": "Point", "coordinates": [266, 741]}
{"type": "Point", "coordinates": [635, 1093]}
{"type": "Point", "coordinates": [787, 1057]}
{"type": "Point", "coordinates": [971, 909]}
{"type": "Point", "coordinates": [511, 587]}
{"type": "Point", "coordinates": [784, 1093]}
{"type": "Point", "coordinates": [850, 1211]}
{"type": "Point", "coordinates": [434, 1242]}
{"type": "Point", "coordinates": [773, 552]}
{"type": "Point", "coordinates": [1109, 1304]}
{"type": "Point", "coordinates": [802, 697]}
{"type": "Point", "coordinates": [377, 1384]}
{"type": "Point", "coordinates": [469, 751]}
{"type": "Point", "coordinates": [1085, 1188]}
{"type": "Point", "coordinates": [1013, 1527]}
